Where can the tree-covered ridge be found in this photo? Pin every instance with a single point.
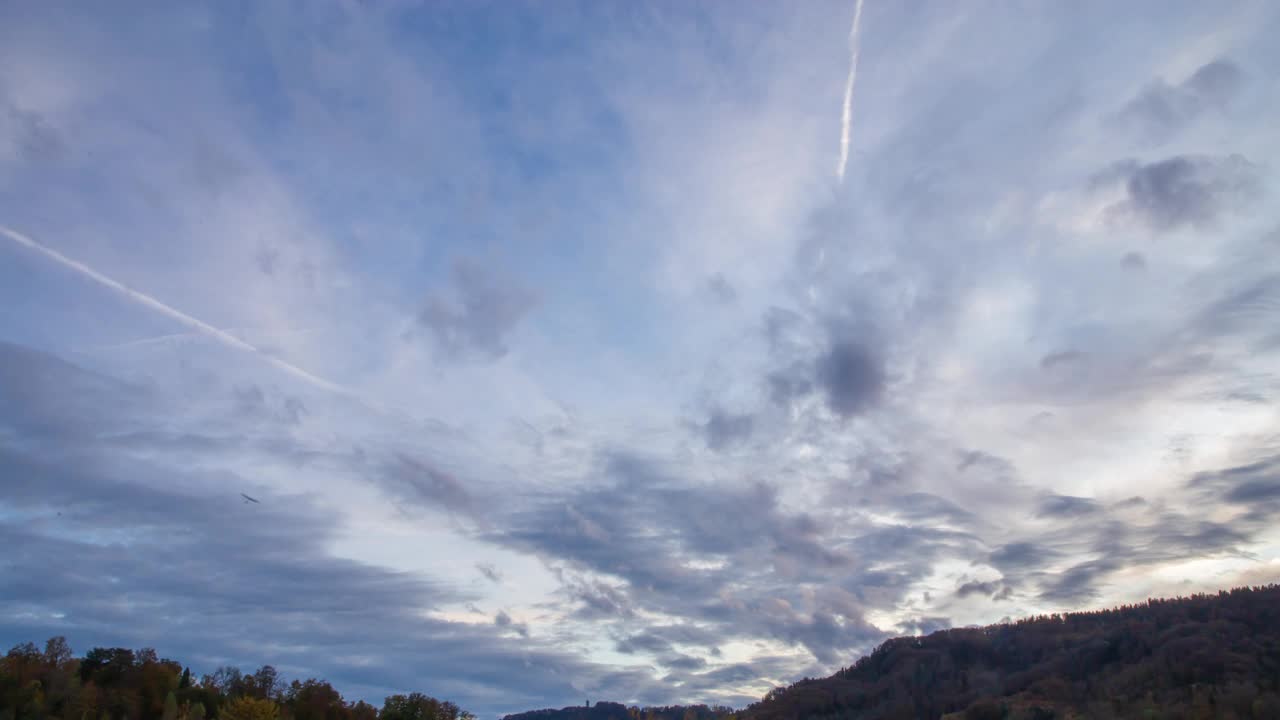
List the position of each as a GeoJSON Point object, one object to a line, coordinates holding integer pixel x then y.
{"type": "Point", "coordinates": [1204, 656]}
{"type": "Point", "coordinates": [123, 684]}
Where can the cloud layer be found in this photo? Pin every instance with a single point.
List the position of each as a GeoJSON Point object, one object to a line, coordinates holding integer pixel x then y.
{"type": "Point", "coordinates": [624, 396]}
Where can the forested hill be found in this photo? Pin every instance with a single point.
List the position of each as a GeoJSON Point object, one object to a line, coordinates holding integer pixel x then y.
{"type": "Point", "coordinates": [1205, 656]}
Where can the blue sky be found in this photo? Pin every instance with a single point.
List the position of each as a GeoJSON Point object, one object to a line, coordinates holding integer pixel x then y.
{"type": "Point", "coordinates": [564, 363]}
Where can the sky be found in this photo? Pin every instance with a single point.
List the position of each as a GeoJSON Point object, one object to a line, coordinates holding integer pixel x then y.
{"type": "Point", "coordinates": [627, 351]}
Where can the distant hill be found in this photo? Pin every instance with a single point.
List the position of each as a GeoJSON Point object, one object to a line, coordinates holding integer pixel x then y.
{"type": "Point", "coordinates": [618, 711]}
{"type": "Point", "coordinates": [1205, 656]}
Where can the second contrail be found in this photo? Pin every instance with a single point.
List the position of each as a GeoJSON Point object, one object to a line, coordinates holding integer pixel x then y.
{"type": "Point", "coordinates": [154, 304]}
{"type": "Point", "coordinates": [846, 117]}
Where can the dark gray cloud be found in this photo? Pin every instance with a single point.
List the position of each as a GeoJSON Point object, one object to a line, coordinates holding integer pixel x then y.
{"type": "Point", "coordinates": [1161, 108]}
{"type": "Point", "coordinates": [851, 377]}
{"type": "Point", "coordinates": [927, 625]}
{"type": "Point", "coordinates": [1067, 506]}
{"type": "Point", "coordinates": [679, 661]}
{"type": "Point", "coordinates": [1254, 486]}
{"type": "Point", "coordinates": [1019, 557]}
{"type": "Point", "coordinates": [1078, 583]}
{"type": "Point", "coordinates": [487, 306]}
{"type": "Point", "coordinates": [1243, 308]}
{"type": "Point", "coordinates": [268, 260]}
{"type": "Point", "coordinates": [721, 289]}
{"type": "Point", "coordinates": [424, 484]}
{"type": "Point", "coordinates": [57, 399]}
{"type": "Point", "coordinates": [723, 429]}
{"type": "Point", "coordinates": [1133, 261]}
{"type": "Point", "coordinates": [787, 386]}
{"type": "Point", "coordinates": [31, 134]}
{"type": "Point", "coordinates": [1065, 357]}
{"type": "Point", "coordinates": [253, 401]}
{"type": "Point", "coordinates": [490, 572]}
{"type": "Point", "coordinates": [1186, 190]}
{"type": "Point", "coordinates": [661, 638]}
{"type": "Point", "coordinates": [922, 506]}
{"type": "Point", "coordinates": [974, 587]}
{"type": "Point", "coordinates": [504, 621]}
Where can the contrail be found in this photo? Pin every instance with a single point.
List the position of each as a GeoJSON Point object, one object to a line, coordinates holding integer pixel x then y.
{"type": "Point", "coordinates": [150, 302]}
{"type": "Point", "coordinates": [846, 118]}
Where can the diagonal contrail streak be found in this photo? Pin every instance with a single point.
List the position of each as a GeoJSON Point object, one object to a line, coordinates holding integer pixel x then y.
{"type": "Point", "coordinates": [173, 313]}
{"type": "Point", "coordinates": [846, 116]}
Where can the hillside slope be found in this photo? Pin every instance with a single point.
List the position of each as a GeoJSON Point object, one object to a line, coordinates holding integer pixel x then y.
{"type": "Point", "coordinates": [1205, 656]}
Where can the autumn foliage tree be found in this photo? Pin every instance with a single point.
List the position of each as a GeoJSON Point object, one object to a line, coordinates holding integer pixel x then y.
{"type": "Point", "coordinates": [247, 707]}
{"type": "Point", "coordinates": [125, 684]}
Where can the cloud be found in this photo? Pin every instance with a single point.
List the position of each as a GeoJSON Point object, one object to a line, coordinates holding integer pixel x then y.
{"type": "Point", "coordinates": [1161, 108]}
{"type": "Point", "coordinates": [714, 538]}
{"type": "Point", "coordinates": [504, 621]}
{"type": "Point", "coordinates": [786, 387]}
{"type": "Point", "coordinates": [487, 307]}
{"type": "Point", "coordinates": [1077, 584]}
{"type": "Point", "coordinates": [1253, 487]}
{"type": "Point", "coordinates": [1065, 357]}
{"type": "Point", "coordinates": [1066, 506]}
{"type": "Point", "coordinates": [490, 573]}
{"type": "Point", "coordinates": [1186, 190]}
{"type": "Point", "coordinates": [1134, 261]}
{"type": "Point", "coordinates": [26, 137]}
{"type": "Point", "coordinates": [851, 378]}
{"type": "Point", "coordinates": [975, 587]}
{"type": "Point", "coordinates": [420, 482]}
{"type": "Point", "coordinates": [165, 555]}
{"type": "Point", "coordinates": [723, 429]}
{"type": "Point", "coordinates": [721, 289]}
{"type": "Point", "coordinates": [1019, 557]}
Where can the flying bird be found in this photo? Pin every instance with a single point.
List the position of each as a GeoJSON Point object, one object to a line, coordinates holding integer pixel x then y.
{"type": "Point", "coordinates": [248, 499]}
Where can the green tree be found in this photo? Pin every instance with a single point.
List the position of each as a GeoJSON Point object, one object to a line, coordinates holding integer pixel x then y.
{"type": "Point", "coordinates": [196, 712]}
{"type": "Point", "coordinates": [170, 711]}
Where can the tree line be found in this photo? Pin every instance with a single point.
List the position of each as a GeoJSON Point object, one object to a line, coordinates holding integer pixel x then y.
{"type": "Point", "coordinates": [124, 684]}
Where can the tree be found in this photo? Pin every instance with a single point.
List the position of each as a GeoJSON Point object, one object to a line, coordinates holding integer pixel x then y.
{"type": "Point", "coordinates": [315, 700]}
{"type": "Point", "coordinates": [416, 706]}
{"type": "Point", "coordinates": [364, 711]}
{"type": "Point", "coordinates": [57, 653]}
{"type": "Point", "coordinates": [196, 712]}
{"type": "Point", "coordinates": [249, 708]}
{"type": "Point", "coordinates": [264, 684]}
{"type": "Point", "coordinates": [170, 707]}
